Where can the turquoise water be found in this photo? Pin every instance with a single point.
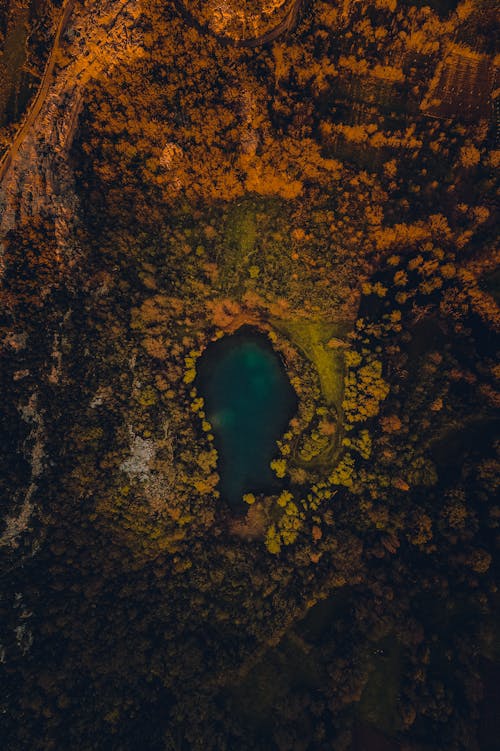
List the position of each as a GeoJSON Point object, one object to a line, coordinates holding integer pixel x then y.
{"type": "Point", "coordinates": [249, 401]}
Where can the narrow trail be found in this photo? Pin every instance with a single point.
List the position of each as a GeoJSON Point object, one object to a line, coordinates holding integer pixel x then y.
{"type": "Point", "coordinates": [286, 25]}
{"type": "Point", "coordinates": [41, 94]}
{"type": "Point", "coordinates": [36, 174]}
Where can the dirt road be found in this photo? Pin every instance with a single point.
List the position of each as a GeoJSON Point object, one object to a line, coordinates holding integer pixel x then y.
{"type": "Point", "coordinates": [285, 25]}
{"type": "Point", "coordinates": [39, 99]}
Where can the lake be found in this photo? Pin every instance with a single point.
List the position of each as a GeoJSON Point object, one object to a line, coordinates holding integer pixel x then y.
{"type": "Point", "coordinates": [249, 401]}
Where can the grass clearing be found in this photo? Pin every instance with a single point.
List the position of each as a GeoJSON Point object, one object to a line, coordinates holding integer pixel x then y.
{"type": "Point", "coordinates": [251, 241]}
{"type": "Point", "coordinates": [378, 704]}
{"type": "Point", "coordinates": [255, 235]}
{"type": "Point", "coordinates": [312, 338]}
{"type": "Point", "coordinates": [240, 237]}
{"type": "Point", "coordinates": [283, 669]}
{"type": "Point", "coordinates": [241, 227]}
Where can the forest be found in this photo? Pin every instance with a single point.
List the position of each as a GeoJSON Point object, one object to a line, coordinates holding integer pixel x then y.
{"type": "Point", "coordinates": [320, 172]}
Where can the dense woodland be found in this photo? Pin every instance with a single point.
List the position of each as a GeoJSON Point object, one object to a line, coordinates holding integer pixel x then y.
{"type": "Point", "coordinates": [335, 188]}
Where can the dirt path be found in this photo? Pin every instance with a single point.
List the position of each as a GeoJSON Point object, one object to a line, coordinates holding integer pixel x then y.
{"type": "Point", "coordinates": [40, 95]}
{"type": "Point", "coordinates": [36, 174]}
{"type": "Point", "coordinates": [284, 26]}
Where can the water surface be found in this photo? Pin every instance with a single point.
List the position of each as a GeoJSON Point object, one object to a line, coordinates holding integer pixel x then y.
{"type": "Point", "coordinates": [249, 401]}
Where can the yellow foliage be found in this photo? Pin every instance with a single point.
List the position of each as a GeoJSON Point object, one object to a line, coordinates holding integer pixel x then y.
{"type": "Point", "coordinates": [147, 397]}
{"type": "Point", "coordinates": [343, 472]}
{"type": "Point", "coordinates": [279, 467]}
{"type": "Point", "coordinates": [273, 540]}
{"type": "Point", "coordinates": [197, 404]}
{"type": "Point", "coordinates": [284, 498]}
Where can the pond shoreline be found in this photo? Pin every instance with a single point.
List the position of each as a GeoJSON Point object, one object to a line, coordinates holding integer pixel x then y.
{"type": "Point", "coordinates": [249, 402]}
